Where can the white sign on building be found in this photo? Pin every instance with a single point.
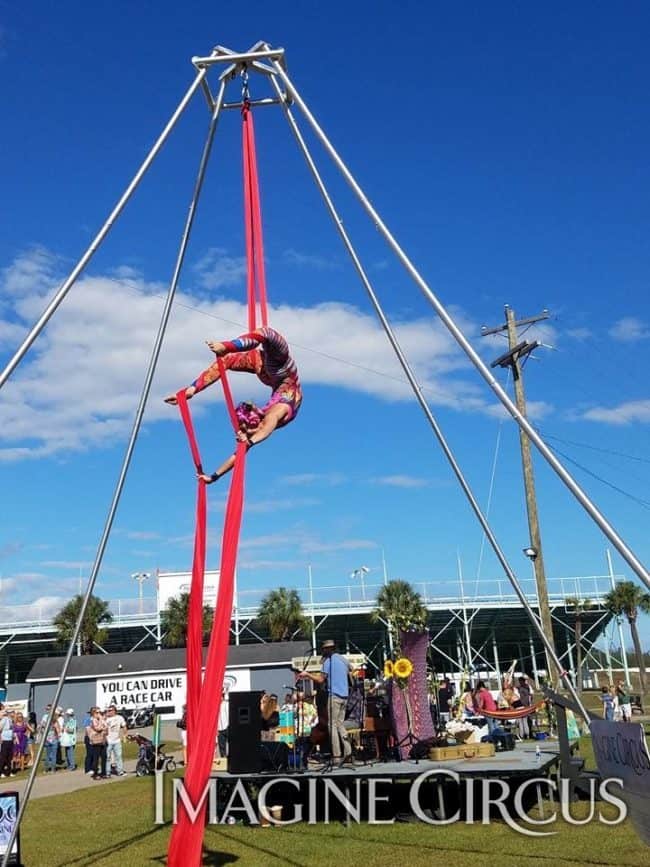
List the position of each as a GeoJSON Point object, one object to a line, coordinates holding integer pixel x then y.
{"type": "Point", "coordinates": [172, 584]}
{"type": "Point", "coordinates": [161, 688]}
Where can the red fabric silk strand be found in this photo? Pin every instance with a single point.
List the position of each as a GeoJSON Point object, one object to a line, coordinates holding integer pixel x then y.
{"type": "Point", "coordinates": [253, 225]}
{"type": "Point", "coordinates": [194, 643]}
{"type": "Point", "coordinates": [204, 695]}
{"type": "Point", "coordinates": [186, 842]}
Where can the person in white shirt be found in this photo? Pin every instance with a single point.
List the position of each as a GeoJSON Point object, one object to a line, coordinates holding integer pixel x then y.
{"type": "Point", "coordinates": [115, 734]}
{"type": "Point", "coordinates": [68, 738]}
{"type": "Point", "coordinates": [6, 743]}
{"type": "Point", "coordinates": [222, 727]}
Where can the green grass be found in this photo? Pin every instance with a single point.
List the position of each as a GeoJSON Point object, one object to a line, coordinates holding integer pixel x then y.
{"type": "Point", "coordinates": [113, 824]}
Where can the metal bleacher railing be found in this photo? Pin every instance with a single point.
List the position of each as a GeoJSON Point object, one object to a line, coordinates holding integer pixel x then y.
{"type": "Point", "coordinates": [330, 599]}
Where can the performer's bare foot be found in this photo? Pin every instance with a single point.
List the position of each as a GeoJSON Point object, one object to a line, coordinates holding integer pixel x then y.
{"type": "Point", "coordinates": [190, 391]}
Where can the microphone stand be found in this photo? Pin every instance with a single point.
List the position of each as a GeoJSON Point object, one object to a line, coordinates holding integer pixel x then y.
{"type": "Point", "coordinates": [298, 726]}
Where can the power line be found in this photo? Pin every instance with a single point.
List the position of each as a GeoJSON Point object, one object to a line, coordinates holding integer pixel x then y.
{"type": "Point", "coordinates": [641, 502]}
{"type": "Point", "coordinates": [594, 448]}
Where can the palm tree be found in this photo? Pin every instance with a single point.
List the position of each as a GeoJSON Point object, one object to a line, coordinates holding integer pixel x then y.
{"type": "Point", "coordinates": [579, 607]}
{"type": "Point", "coordinates": [400, 607]}
{"type": "Point", "coordinates": [174, 620]}
{"type": "Point", "coordinates": [281, 614]}
{"type": "Point", "coordinates": [628, 598]}
{"type": "Point", "coordinates": [91, 633]}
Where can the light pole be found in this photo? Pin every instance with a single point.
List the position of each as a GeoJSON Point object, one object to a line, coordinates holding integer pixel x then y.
{"type": "Point", "coordinates": [361, 573]}
{"type": "Point", "coordinates": [383, 566]}
{"type": "Point", "coordinates": [140, 577]}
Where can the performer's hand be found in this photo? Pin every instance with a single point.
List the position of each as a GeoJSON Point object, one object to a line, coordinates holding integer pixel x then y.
{"type": "Point", "coordinates": [207, 479]}
{"type": "Point", "coordinates": [241, 436]}
{"type": "Point", "coordinates": [216, 347]}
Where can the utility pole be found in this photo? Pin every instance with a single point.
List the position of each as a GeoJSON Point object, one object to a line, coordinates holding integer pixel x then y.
{"type": "Point", "coordinates": [517, 350]}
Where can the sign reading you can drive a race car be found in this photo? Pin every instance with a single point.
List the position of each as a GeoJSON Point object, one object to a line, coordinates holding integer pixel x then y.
{"type": "Point", "coordinates": [163, 689]}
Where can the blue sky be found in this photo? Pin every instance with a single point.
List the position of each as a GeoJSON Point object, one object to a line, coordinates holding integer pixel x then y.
{"type": "Point", "coordinates": [506, 148]}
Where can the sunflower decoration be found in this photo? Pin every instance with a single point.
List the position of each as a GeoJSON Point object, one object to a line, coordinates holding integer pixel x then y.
{"type": "Point", "coordinates": [403, 668]}
{"type": "Point", "coordinates": [388, 668]}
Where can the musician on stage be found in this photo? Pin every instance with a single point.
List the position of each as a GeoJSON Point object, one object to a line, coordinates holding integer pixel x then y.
{"type": "Point", "coordinates": [335, 675]}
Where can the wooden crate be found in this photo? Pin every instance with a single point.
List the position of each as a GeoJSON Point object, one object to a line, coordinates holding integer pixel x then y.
{"type": "Point", "coordinates": [461, 751]}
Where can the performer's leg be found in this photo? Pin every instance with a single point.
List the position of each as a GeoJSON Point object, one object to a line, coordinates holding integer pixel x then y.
{"type": "Point", "coordinates": [339, 716]}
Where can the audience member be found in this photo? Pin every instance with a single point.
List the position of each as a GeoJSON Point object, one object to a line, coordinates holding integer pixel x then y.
{"type": "Point", "coordinates": [96, 732]}
{"type": "Point", "coordinates": [21, 729]}
{"type": "Point", "coordinates": [222, 726]}
{"type": "Point", "coordinates": [182, 726]}
{"type": "Point", "coordinates": [607, 699]}
{"type": "Point", "coordinates": [88, 758]}
{"type": "Point", "coordinates": [52, 737]}
{"type": "Point", "coordinates": [526, 698]}
{"type": "Point", "coordinates": [624, 701]}
{"type": "Point", "coordinates": [115, 734]}
{"type": "Point", "coordinates": [6, 743]}
{"type": "Point", "coordinates": [69, 739]}
{"type": "Point", "coordinates": [485, 702]}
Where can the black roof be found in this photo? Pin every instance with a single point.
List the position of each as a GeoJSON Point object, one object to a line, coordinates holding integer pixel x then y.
{"type": "Point", "coordinates": [107, 664]}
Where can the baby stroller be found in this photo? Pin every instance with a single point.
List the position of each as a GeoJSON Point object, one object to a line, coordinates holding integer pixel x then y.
{"type": "Point", "coordinates": [146, 763]}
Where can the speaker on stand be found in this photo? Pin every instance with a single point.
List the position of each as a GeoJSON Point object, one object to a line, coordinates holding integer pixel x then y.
{"type": "Point", "coordinates": [244, 733]}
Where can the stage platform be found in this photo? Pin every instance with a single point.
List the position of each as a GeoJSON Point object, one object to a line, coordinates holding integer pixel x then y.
{"type": "Point", "coordinates": [520, 762]}
{"type": "Point", "coordinates": [384, 790]}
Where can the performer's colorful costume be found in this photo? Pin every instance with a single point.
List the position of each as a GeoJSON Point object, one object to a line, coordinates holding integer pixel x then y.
{"type": "Point", "coordinates": [265, 353]}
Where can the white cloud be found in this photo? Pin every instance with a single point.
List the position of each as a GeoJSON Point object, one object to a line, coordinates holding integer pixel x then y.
{"type": "Point", "coordinates": [217, 270]}
{"type": "Point", "coordinates": [401, 481]}
{"type": "Point", "coordinates": [580, 333]}
{"type": "Point", "coordinates": [629, 329]}
{"type": "Point", "coordinates": [317, 547]}
{"type": "Point", "coordinates": [625, 413]}
{"type": "Point", "coordinates": [309, 260]}
{"type": "Point", "coordinates": [275, 505]}
{"type": "Point", "coordinates": [268, 564]}
{"type": "Point", "coordinates": [79, 385]}
{"type": "Point", "coordinates": [305, 542]}
{"type": "Point", "coordinates": [8, 549]}
{"type": "Point", "coordinates": [271, 540]}
{"type": "Point", "coordinates": [299, 479]}
{"type": "Point", "coordinates": [143, 535]}
{"type": "Point", "coordinates": [42, 608]}
{"type": "Point", "coordinates": [535, 410]}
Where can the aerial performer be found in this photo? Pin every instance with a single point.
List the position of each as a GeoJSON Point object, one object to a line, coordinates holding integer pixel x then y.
{"type": "Point", "coordinates": [265, 353]}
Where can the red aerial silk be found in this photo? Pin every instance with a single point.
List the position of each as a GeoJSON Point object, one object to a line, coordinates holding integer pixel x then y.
{"type": "Point", "coordinates": [512, 712]}
{"type": "Point", "coordinates": [204, 695]}
{"type": "Point", "coordinates": [253, 225]}
{"type": "Point", "coordinates": [194, 644]}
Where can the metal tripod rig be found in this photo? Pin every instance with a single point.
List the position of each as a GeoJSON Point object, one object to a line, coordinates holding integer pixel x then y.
{"type": "Point", "coordinates": [269, 63]}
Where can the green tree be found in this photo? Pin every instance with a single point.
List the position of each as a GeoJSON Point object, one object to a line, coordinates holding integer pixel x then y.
{"type": "Point", "coordinates": [92, 631]}
{"type": "Point", "coordinates": [174, 620]}
{"type": "Point", "coordinates": [281, 614]}
{"type": "Point", "coordinates": [399, 606]}
{"type": "Point", "coordinates": [578, 607]}
{"type": "Point", "coordinates": [627, 599]}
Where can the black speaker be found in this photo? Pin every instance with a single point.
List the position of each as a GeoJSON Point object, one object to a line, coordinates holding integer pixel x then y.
{"type": "Point", "coordinates": [244, 728]}
{"type": "Point", "coordinates": [274, 756]}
